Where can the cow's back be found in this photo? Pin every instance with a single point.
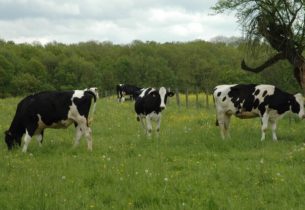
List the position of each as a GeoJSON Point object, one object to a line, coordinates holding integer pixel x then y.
{"type": "Point", "coordinates": [236, 98]}
{"type": "Point", "coordinates": [253, 98]}
{"type": "Point", "coordinates": [52, 106]}
{"type": "Point", "coordinates": [281, 102]}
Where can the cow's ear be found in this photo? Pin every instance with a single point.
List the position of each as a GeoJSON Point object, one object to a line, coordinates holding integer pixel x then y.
{"type": "Point", "coordinates": [170, 94]}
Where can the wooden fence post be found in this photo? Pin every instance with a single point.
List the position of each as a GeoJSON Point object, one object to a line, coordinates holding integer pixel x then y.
{"type": "Point", "coordinates": [187, 98]}
{"type": "Point", "coordinates": [207, 98]}
{"type": "Point", "coordinates": [197, 98]}
{"type": "Point", "coordinates": [177, 97]}
{"type": "Point", "coordinates": [106, 93]}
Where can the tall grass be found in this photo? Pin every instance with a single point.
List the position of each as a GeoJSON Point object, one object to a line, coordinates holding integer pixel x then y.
{"type": "Point", "coordinates": [187, 167]}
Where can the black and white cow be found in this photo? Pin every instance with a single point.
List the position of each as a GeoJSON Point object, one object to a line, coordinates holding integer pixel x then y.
{"type": "Point", "coordinates": [125, 89]}
{"type": "Point", "coordinates": [149, 106]}
{"type": "Point", "coordinates": [51, 109]}
{"type": "Point", "coordinates": [250, 100]}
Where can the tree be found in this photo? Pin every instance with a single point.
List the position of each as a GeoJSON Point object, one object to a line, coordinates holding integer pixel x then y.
{"type": "Point", "coordinates": [280, 23]}
{"type": "Point", "coordinates": [35, 67]}
{"type": "Point", "coordinates": [6, 74]}
{"type": "Point", "coordinates": [25, 83]}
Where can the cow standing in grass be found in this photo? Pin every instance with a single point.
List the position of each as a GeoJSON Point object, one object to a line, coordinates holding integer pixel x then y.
{"type": "Point", "coordinates": [250, 100]}
{"type": "Point", "coordinates": [51, 109]}
{"type": "Point", "coordinates": [149, 106]}
{"type": "Point", "coordinates": [125, 89]}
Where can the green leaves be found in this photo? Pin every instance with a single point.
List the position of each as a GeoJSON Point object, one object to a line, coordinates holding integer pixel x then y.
{"type": "Point", "coordinates": [194, 65]}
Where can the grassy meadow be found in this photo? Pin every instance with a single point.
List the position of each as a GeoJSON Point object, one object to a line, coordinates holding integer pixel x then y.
{"type": "Point", "coordinates": [188, 167]}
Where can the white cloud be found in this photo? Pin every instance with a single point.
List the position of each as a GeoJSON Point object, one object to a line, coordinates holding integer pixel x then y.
{"type": "Point", "coordinates": [119, 21]}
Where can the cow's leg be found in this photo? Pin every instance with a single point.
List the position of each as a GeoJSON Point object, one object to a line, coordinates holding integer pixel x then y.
{"type": "Point", "coordinates": [86, 130]}
{"type": "Point", "coordinates": [119, 95]}
{"type": "Point", "coordinates": [39, 138]}
{"type": "Point", "coordinates": [273, 126]}
{"type": "Point", "coordinates": [29, 133]}
{"type": "Point", "coordinates": [78, 135]}
{"type": "Point", "coordinates": [141, 118]}
{"type": "Point", "coordinates": [158, 124]}
{"type": "Point", "coordinates": [143, 122]}
{"type": "Point", "coordinates": [27, 140]}
{"type": "Point", "coordinates": [81, 124]}
{"type": "Point", "coordinates": [148, 125]}
{"type": "Point", "coordinates": [88, 134]}
{"type": "Point", "coordinates": [122, 96]}
{"type": "Point", "coordinates": [265, 120]}
{"type": "Point", "coordinates": [227, 125]}
{"type": "Point", "coordinates": [221, 124]}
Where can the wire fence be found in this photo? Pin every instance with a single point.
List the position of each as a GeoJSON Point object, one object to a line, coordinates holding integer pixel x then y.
{"type": "Point", "coordinates": [184, 97]}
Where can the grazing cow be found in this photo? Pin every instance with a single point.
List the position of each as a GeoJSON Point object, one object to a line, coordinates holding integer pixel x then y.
{"type": "Point", "coordinates": [149, 105]}
{"type": "Point", "coordinates": [250, 100]}
{"type": "Point", "coordinates": [51, 109]}
{"type": "Point", "coordinates": [124, 89]}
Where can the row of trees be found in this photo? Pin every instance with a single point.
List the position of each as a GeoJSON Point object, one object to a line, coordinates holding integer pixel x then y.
{"type": "Point", "coordinates": [27, 68]}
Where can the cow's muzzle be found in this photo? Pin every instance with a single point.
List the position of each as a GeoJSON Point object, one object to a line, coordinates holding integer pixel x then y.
{"type": "Point", "coordinates": [162, 107]}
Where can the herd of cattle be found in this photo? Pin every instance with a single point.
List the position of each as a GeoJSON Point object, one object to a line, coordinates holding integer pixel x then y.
{"type": "Point", "coordinates": [59, 109]}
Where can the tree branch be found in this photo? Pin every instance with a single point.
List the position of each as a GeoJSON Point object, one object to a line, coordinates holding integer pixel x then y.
{"type": "Point", "coordinates": [269, 62]}
{"type": "Point", "coordinates": [294, 16]}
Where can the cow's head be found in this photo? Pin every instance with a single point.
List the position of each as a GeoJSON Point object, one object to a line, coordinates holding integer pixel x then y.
{"type": "Point", "coordinates": [163, 95]}
{"type": "Point", "coordinates": [299, 108]}
{"type": "Point", "coordinates": [11, 140]}
{"type": "Point", "coordinates": [94, 90]}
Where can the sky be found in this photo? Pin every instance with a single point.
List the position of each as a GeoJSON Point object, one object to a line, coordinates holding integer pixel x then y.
{"type": "Point", "coordinates": [117, 21]}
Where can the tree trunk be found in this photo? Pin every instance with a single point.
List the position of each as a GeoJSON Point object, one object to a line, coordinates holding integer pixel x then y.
{"type": "Point", "coordinates": [298, 62]}
{"type": "Point", "coordinates": [301, 72]}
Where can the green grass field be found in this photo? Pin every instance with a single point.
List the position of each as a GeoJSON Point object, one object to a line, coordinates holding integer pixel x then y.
{"type": "Point", "coordinates": [188, 167]}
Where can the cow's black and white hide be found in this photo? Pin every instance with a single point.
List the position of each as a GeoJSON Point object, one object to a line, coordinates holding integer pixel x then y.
{"type": "Point", "coordinates": [149, 106]}
{"type": "Point", "coordinates": [250, 100]}
{"type": "Point", "coordinates": [51, 109]}
{"type": "Point", "coordinates": [130, 90]}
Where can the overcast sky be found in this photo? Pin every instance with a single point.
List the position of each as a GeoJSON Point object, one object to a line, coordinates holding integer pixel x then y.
{"type": "Point", "coordinates": [118, 21]}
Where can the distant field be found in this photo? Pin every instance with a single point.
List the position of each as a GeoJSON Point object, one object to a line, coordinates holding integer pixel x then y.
{"type": "Point", "coordinates": [188, 167]}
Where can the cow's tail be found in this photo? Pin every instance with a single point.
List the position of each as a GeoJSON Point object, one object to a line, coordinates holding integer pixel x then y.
{"type": "Point", "coordinates": [216, 123]}
{"type": "Point", "coordinates": [94, 93]}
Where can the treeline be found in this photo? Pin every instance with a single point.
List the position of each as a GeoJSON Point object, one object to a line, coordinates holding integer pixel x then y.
{"type": "Point", "coordinates": [28, 68]}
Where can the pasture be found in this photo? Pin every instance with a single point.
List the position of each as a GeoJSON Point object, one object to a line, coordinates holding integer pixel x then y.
{"type": "Point", "coordinates": [188, 167]}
